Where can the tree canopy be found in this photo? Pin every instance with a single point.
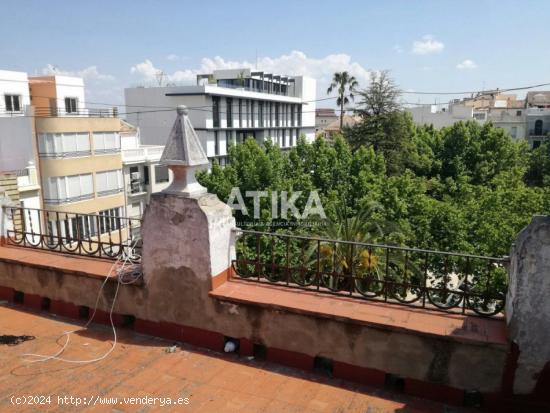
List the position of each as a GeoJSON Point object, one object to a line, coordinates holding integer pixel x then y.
{"type": "Point", "coordinates": [467, 187]}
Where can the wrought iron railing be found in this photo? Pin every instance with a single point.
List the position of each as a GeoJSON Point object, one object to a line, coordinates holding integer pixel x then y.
{"type": "Point", "coordinates": [452, 282]}
{"type": "Point", "coordinates": [97, 235]}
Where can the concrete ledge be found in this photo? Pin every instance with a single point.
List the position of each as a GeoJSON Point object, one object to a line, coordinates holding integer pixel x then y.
{"type": "Point", "coordinates": [456, 327]}
{"type": "Point", "coordinates": [70, 264]}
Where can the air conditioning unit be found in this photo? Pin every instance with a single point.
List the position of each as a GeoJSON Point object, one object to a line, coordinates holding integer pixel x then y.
{"type": "Point", "coordinates": [134, 176]}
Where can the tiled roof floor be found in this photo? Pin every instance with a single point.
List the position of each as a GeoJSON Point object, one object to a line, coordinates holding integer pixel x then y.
{"type": "Point", "coordinates": [140, 366]}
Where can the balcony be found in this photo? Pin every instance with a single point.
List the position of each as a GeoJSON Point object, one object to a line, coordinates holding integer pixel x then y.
{"type": "Point", "coordinates": [25, 110]}
{"type": "Point", "coordinates": [46, 112]}
{"type": "Point", "coordinates": [137, 188]}
{"type": "Point", "coordinates": [145, 153]}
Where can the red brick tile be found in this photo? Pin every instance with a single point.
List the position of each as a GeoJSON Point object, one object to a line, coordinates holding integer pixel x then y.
{"type": "Point", "coordinates": [246, 347]}
{"type": "Point", "coordinates": [64, 309]}
{"type": "Point", "coordinates": [358, 374]}
{"type": "Point", "coordinates": [203, 338]}
{"type": "Point", "coordinates": [290, 358]}
{"type": "Point", "coordinates": [6, 293]}
{"type": "Point", "coordinates": [434, 391]}
{"type": "Point", "coordinates": [32, 301]}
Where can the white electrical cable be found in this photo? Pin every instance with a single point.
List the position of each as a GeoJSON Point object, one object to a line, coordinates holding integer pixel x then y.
{"type": "Point", "coordinates": [43, 358]}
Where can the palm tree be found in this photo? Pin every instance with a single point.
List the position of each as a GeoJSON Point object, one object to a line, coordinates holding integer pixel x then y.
{"type": "Point", "coordinates": [340, 82]}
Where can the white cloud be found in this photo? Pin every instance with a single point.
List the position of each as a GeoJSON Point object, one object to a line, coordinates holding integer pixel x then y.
{"type": "Point", "coordinates": [466, 65]}
{"type": "Point", "coordinates": [427, 45]}
{"type": "Point", "coordinates": [397, 49]}
{"type": "Point", "coordinates": [293, 63]}
{"type": "Point", "coordinates": [172, 57]}
{"type": "Point", "coordinates": [89, 73]}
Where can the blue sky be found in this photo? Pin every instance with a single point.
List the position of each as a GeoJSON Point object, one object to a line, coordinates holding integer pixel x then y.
{"type": "Point", "coordinates": [427, 45]}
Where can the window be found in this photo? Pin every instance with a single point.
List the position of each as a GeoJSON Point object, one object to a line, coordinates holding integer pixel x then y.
{"type": "Point", "coordinates": [109, 220]}
{"type": "Point", "coordinates": [240, 113]}
{"type": "Point", "coordinates": [261, 113]}
{"type": "Point", "coordinates": [518, 112]}
{"type": "Point", "coordinates": [13, 103]}
{"type": "Point", "coordinates": [161, 174]}
{"type": "Point", "coordinates": [538, 127]}
{"type": "Point", "coordinates": [276, 114]}
{"type": "Point", "coordinates": [146, 175]}
{"type": "Point", "coordinates": [229, 112]}
{"type": "Point", "coordinates": [216, 111]}
{"type": "Point", "coordinates": [216, 143]}
{"type": "Point", "coordinates": [536, 144]}
{"type": "Point", "coordinates": [106, 142]}
{"type": "Point", "coordinates": [292, 115]}
{"type": "Point", "coordinates": [228, 139]}
{"type": "Point", "coordinates": [514, 132]}
{"type": "Point", "coordinates": [299, 115]}
{"type": "Point", "coordinates": [62, 189]}
{"type": "Point", "coordinates": [247, 113]}
{"type": "Point", "coordinates": [252, 114]}
{"type": "Point", "coordinates": [72, 228]}
{"type": "Point", "coordinates": [108, 182]}
{"type": "Point", "coordinates": [71, 105]}
{"type": "Point", "coordinates": [63, 145]}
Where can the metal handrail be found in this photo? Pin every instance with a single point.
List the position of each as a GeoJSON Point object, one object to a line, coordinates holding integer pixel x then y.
{"type": "Point", "coordinates": [86, 234]}
{"type": "Point", "coordinates": [435, 280]}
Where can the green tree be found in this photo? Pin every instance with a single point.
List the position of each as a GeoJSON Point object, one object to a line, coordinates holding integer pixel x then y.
{"type": "Point", "coordinates": [345, 86]}
{"type": "Point", "coordinates": [381, 97]}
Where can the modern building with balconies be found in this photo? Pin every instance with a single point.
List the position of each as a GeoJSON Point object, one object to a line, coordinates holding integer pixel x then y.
{"type": "Point", "coordinates": [228, 106]}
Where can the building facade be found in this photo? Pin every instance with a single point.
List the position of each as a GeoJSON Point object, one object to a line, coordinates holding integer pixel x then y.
{"type": "Point", "coordinates": [527, 119]}
{"type": "Point", "coordinates": [142, 173]}
{"type": "Point", "coordinates": [228, 106]}
{"type": "Point", "coordinates": [323, 118]}
{"type": "Point", "coordinates": [18, 154]}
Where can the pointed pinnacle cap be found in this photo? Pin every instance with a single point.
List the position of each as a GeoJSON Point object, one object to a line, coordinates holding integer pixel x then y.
{"type": "Point", "coordinates": [183, 146]}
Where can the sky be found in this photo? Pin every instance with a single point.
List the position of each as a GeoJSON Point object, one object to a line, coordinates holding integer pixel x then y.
{"type": "Point", "coordinates": [428, 46]}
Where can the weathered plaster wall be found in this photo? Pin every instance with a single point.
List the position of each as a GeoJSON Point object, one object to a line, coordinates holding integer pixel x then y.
{"type": "Point", "coordinates": [528, 302]}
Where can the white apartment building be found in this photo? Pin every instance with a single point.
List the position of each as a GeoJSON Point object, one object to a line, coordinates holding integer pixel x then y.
{"type": "Point", "coordinates": [56, 95]}
{"type": "Point", "coordinates": [142, 173]}
{"type": "Point", "coordinates": [441, 116]}
{"type": "Point", "coordinates": [18, 155]}
{"type": "Point", "coordinates": [228, 106]}
{"type": "Point", "coordinates": [16, 129]}
{"type": "Point", "coordinates": [504, 111]}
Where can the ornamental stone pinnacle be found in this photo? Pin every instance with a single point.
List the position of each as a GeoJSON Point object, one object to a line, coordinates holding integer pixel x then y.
{"type": "Point", "coordinates": [184, 154]}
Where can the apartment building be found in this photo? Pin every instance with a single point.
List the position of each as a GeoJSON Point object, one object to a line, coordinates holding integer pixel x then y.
{"type": "Point", "coordinates": [80, 162]}
{"type": "Point", "coordinates": [228, 106]}
{"type": "Point", "coordinates": [18, 159]}
{"type": "Point", "coordinates": [142, 172]}
{"type": "Point", "coordinates": [323, 118]}
{"type": "Point", "coordinates": [505, 111]}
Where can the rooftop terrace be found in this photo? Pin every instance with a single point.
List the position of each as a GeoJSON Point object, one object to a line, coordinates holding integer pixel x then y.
{"type": "Point", "coordinates": [140, 366]}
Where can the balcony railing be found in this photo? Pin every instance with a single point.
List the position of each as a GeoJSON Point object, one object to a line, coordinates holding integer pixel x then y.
{"type": "Point", "coordinates": [96, 235]}
{"type": "Point", "coordinates": [452, 282]}
{"type": "Point", "coordinates": [137, 187]}
{"type": "Point", "coordinates": [46, 112]}
{"type": "Point", "coordinates": [143, 153]}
